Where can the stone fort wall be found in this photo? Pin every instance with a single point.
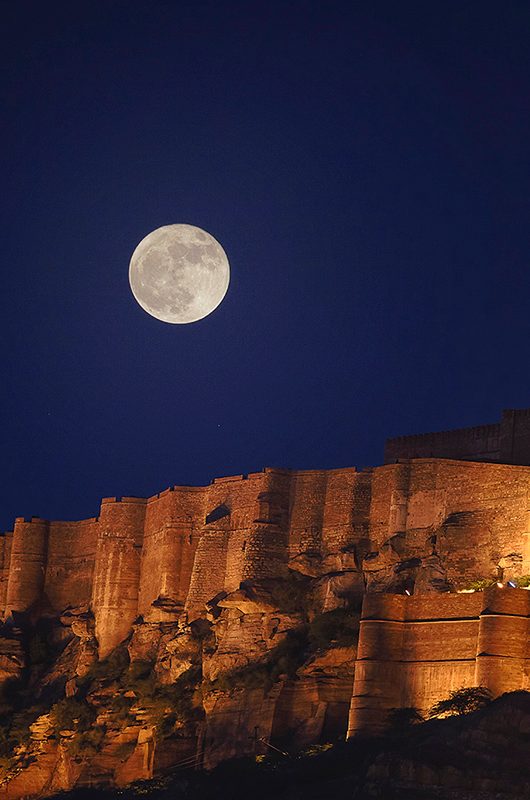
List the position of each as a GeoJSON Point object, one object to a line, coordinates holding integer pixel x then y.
{"type": "Point", "coordinates": [413, 651]}
{"type": "Point", "coordinates": [506, 441]}
{"type": "Point", "coordinates": [418, 525]}
{"type": "Point", "coordinates": [174, 551]}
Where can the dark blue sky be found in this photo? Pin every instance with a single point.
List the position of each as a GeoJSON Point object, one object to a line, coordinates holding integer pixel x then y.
{"type": "Point", "coordinates": [364, 165]}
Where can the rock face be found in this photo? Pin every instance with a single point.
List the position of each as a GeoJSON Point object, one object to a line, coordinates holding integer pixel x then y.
{"type": "Point", "coordinates": [212, 622]}
{"type": "Point", "coordinates": [482, 756]}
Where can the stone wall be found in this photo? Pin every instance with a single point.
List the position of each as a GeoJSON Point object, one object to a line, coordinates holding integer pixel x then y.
{"type": "Point", "coordinates": [459, 520]}
{"type": "Point", "coordinates": [49, 564]}
{"type": "Point", "coordinates": [507, 442]}
{"type": "Point", "coordinates": [27, 566]}
{"type": "Point", "coordinates": [413, 651]}
{"type": "Point", "coordinates": [172, 531]}
{"type": "Point", "coordinates": [426, 525]}
{"type": "Point", "coordinates": [117, 569]}
{"type": "Point", "coordinates": [70, 563]}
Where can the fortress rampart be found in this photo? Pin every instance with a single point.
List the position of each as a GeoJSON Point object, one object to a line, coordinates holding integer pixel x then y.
{"type": "Point", "coordinates": [414, 650]}
{"type": "Point", "coordinates": [413, 525]}
{"type": "Point", "coordinates": [507, 442]}
{"type": "Point", "coordinates": [117, 569]}
{"type": "Point", "coordinates": [264, 556]}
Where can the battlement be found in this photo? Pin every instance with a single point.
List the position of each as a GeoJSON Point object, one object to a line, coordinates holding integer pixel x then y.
{"type": "Point", "coordinates": [475, 432]}
{"type": "Point", "coordinates": [131, 500]}
{"type": "Point", "coordinates": [506, 441]}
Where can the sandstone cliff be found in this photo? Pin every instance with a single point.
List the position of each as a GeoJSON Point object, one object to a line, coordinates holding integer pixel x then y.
{"type": "Point", "coordinates": [212, 622]}
{"type": "Point", "coordinates": [478, 756]}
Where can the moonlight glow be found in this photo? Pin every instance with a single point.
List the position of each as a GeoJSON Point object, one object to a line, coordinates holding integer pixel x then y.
{"type": "Point", "coordinates": [179, 273]}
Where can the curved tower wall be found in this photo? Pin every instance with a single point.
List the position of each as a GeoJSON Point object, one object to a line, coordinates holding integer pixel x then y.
{"type": "Point", "coordinates": [117, 570]}
{"type": "Point", "coordinates": [209, 568]}
{"type": "Point", "coordinates": [503, 656]}
{"type": "Point", "coordinates": [172, 524]}
{"type": "Point", "coordinates": [241, 497]}
{"type": "Point", "coordinates": [414, 651]}
{"type": "Point", "coordinates": [70, 563]}
{"type": "Point", "coordinates": [265, 554]}
{"type": "Point", "coordinates": [379, 653]}
{"type": "Point", "coordinates": [266, 551]}
{"type": "Point", "coordinates": [25, 585]}
{"type": "Point", "coordinates": [6, 542]}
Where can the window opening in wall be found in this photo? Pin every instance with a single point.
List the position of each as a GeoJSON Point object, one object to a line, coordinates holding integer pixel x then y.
{"type": "Point", "coordinates": [218, 513]}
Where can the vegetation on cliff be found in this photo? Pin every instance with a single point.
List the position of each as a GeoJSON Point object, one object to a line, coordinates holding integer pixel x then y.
{"type": "Point", "coordinates": [48, 704]}
{"type": "Point", "coordinates": [68, 699]}
{"type": "Point", "coordinates": [479, 585]}
{"type": "Point", "coordinates": [480, 755]}
{"type": "Point", "coordinates": [462, 701]}
{"type": "Point", "coordinates": [337, 628]}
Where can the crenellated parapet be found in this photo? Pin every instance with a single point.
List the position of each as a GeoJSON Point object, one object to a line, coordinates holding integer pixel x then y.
{"type": "Point", "coordinates": [506, 442]}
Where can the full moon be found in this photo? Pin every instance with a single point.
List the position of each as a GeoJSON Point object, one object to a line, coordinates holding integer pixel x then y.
{"type": "Point", "coordinates": [179, 273]}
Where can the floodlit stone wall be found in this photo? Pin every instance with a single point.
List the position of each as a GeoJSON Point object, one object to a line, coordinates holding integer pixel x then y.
{"type": "Point", "coordinates": [413, 651]}
{"type": "Point", "coordinates": [25, 584]}
{"type": "Point", "coordinates": [172, 531]}
{"type": "Point", "coordinates": [70, 559]}
{"type": "Point", "coordinates": [117, 569]}
{"type": "Point", "coordinates": [6, 543]}
{"type": "Point", "coordinates": [426, 525]}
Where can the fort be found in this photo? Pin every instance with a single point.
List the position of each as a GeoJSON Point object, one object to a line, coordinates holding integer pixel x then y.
{"type": "Point", "coordinates": [404, 543]}
{"type": "Point", "coordinates": [419, 525]}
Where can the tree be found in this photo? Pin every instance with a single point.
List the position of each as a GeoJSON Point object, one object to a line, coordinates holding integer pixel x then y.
{"type": "Point", "coordinates": [462, 701]}
{"type": "Point", "coordinates": [399, 718]}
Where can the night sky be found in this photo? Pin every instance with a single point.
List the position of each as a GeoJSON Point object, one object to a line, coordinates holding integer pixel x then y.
{"type": "Point", "coordinates": [365, 165]}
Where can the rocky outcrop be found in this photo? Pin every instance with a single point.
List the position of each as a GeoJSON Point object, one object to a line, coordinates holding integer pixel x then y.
{"type": "Point", "coordinates": [476, 756]}
{"type": "Point", "coordinates": [12, 654]}
{"type": "Point", "coordinates": [479, 756]}
{"type": "Point", "coordinates": [263, 668]}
